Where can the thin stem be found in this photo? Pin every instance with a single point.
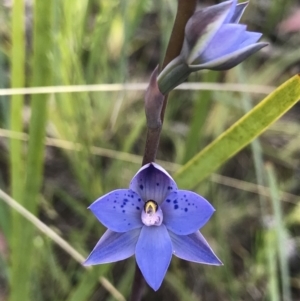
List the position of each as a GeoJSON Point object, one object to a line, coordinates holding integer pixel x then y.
{"type": "Point", "coordinates": [185, 10]}
{"type": "Point", "coordinates": [152, 142]}
{"type": "Point", "coordinates": [138, 285]}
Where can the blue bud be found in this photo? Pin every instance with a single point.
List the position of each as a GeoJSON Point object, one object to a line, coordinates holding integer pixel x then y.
{"type": "Point", "coordinates": [213, 40]}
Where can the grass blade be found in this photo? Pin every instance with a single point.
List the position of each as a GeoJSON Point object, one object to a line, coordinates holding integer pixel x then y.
{"type": "Point", "coordinates": [200, 114]}
{"type": "Point", "coordinates": [16, 104]}
{"type": "Point", "coordinates": [16, 162]}
{"type": "Point", "coordinates": [280, 233]}
{"type": "Point", "coordinates": [270, 253]}
{"type": "Point", "coordinates": [59, 241]}
{"type": "Point", "coordinates": [240, 134]}
{"type": "Point", "coordinates": [41, 70]}
{"type": "Point", "coordinates": [88, 282]}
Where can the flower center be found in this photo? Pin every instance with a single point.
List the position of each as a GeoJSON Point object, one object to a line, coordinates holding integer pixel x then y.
{"type": "Point", "coordinates": [152, 214]}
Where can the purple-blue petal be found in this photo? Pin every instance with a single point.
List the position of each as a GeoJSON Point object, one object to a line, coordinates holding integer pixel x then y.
{"type": "Point", "coordinates": [202, 27]}
{"type": "Point", "coordinates": [185, 212]}
{"type": "Point", "coordinates": [230, 60]}
{"type": "Point", "coordinates": [193, 248]}
{"type": "Point", "coordinates": [113, 247]}
{"type": "Point", "coordinates": [152, 182]}
{"type": "Point", "coordinates": [153, 254]}
{"type": "Point", "coordinates": [250, 37]}
{"type": "Point", "coordinates": [119, 210]}
{"type": "Point", "coordinates": [226, 41]}
{"type": "Point", "coordinates": [239, 10]}
{"type": "Point", "coordinates": [231, 11]}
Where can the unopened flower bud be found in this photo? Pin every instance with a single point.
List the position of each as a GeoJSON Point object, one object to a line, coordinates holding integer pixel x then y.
{"type": "Point", "coordinates": [213, 40]}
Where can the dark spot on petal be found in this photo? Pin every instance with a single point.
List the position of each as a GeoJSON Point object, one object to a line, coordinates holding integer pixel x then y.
{"type": "Point", "coordinates": [114, 207]}
{"type": "Point", "coordinates": [175, 202]}
{"type": "Point", "coordinates": [123, 211]}
{"type": "Point", "coordinates": [169, 188]}
{"type": "Point", "coordinates": [132, 204]}
{"type": "Point", "coordinates": [138, 208]}
{"type": "Point", "coordinates": [132, 196]}
{"type": "Point", "coordinates": [122, 206]}
{"type": "Point", "coordinates": [185, 209]}
{"type": "Point", "coordinates": [189, 204]}
{"type": "Point", "coordinates": [125, 200]}
{"type": "Point", "coordinates": [139, 200]}
{"type": "Point", "coordinates": [168, 201]}
{"type": "Point", "coordinates": [115, 201]}
{"type": "Point", "coordinates": [176, 207]}
{"type": "Point", "coordinates": [157, 184]}
{"type": "Point", "coordinates": [128, 224]}
{"type": "Point", "coordinates": [141, 187]}
{"type": "Point", "coordinates": [185, 195]}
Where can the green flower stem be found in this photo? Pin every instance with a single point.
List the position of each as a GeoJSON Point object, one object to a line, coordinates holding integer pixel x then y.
{"type": "Point", "coordinates": [185, 10]}
{"type": "Point", "coordinates": [173, 75]}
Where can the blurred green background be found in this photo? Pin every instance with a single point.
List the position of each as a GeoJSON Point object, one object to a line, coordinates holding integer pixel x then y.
{"type": "Point", "coordinates": [60, 151]}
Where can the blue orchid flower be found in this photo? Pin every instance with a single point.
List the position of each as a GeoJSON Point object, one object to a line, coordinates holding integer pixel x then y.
{"type": "Point", "coordinates": [153, 220]}
{"type": "Point", "coordinates": [213, 40]}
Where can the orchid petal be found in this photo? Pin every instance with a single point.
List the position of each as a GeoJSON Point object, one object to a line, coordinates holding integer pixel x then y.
{"type": "Point", "coordinates": [153, 254]}
{"type": "Point", "coordinates": [202, 27]}
{"type": "Point", "coordinates": [113, 247]}
{"type": "Point", "coordinates": [231, 11]}
{"type": "Point", "coordinates": [119, 210]}
{"type": "Point", "coordinates": [185, 212]}
{"type": "Point", "coordinates": [225, 41]}
{"type": "Point", "coordinates": [250, 37]}
{"type": "Point", "coordinates": [239, 10]}
{"type": "Point", "coordinates": [193, 248]}
{"type": "Point", "coordinates": [230, 60]}
{"type": "Point", "coordinates": [152, 182]}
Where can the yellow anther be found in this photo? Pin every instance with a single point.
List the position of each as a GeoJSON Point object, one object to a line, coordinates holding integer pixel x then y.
{"type": "Point", "coordinates": [150, 207]}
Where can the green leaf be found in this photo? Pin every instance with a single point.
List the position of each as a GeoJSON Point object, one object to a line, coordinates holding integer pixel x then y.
{"type": "Point", "coordinates": [23, 233]}
{"type": "Point", "coordinates": [281, 233]}
{"type": "Point", "coordinates": [16, 103]}
{"type": "Point", "coordinates": [240, 134]}
{"type": "Point", "coordinates": [87, 284]}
